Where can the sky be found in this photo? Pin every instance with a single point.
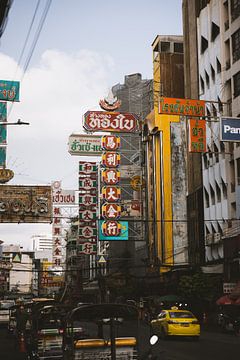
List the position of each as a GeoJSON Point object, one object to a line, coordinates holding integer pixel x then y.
{"type": "Point", "coordinates": [84, 48]}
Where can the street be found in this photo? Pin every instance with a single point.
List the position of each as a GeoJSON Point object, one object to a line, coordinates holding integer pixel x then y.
{"type": "Point", "coordinates": [212, 345]}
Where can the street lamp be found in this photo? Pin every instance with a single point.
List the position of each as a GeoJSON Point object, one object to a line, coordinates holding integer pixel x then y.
{"type": "Point", "coordinates": [19, 122]}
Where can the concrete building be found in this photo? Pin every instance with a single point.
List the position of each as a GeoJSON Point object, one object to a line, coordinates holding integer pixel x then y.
{"type": "Point", "coordinates": [20, 275]}
{"type": "Point", "coordinates": [165, 138]}
{"type": "Point", "coordinates": [136, 96]}
{"type": "Point", "coordinates": [212, 37]}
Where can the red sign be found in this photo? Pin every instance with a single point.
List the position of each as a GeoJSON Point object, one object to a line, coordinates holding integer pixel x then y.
{"type": "Point", "coordinates": [110, 121]}
{"type": "Point", "coordinates": [197, 135]}
{"type": "Point", "coordinates": [176, 106]}
{"type": "Point", "coordinates": [110, 142]}
{"type": "Point", "coordinates": [111, 176]}
{"type": "Point", "coordinates": [87, 215]}
{"type": "Point", "coordinates": [111, 159]}
{"type": "Point", "coordinates": [111, 193]}
{"type": "Point", "coordinates": [111, 211]}
{"type": "Point", "coordinates": [111, 228]}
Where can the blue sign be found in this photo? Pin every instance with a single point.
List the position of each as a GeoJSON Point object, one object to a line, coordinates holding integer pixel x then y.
{"type": "Point", "coordinates": [123, 235]}
{"type": "Point", "coordinates": [9, 90]}
{"type": "Point", "coordinates": [230, 129]}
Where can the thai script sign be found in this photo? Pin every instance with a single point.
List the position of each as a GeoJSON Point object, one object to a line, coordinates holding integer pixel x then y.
{"type": "Point", "coordinates": [64, 197]}
{"type": "Point", "coordinates": [110, 121]}
{"type": "Point", "coordinates": [197, 135]}
{"type": "Point", "coordinates": [113, 230]}
{"type": "Point", "coordinates": [175, 106]}
{"type": "Point", "coordinates": [83, 145]}
{"type": "Point", "coordinates": [28, 204]}
{"type": "Point", "coordinates": [9, 90]}
{"type": "Point", "coordinates": [230, 129]}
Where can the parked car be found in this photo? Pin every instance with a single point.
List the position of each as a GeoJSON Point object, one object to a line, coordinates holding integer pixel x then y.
{"type": "Point", "coordinates": [174, 322]}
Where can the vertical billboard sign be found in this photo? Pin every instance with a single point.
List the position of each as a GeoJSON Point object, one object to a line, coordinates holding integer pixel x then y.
{"type": "Point", "coordinates": [3, 134]}
{"type": "Point", "coordinates": [197, 135]}
{"type": "Point", "coordinates": [56, 226]}
{"type": "Point", "coordinates": [111, 194]}
{"type": "Point", "coordinates": [87, 230]}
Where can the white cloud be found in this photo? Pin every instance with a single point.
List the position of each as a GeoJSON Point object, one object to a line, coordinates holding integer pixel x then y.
{"type": "Point", "coordinates": [54, 95]}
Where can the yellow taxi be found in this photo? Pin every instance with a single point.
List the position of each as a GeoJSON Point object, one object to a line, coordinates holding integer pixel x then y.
{"type": "Point", "coordinates": [175, 322]}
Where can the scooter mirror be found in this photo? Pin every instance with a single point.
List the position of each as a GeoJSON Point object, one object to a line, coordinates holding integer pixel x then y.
{"type": "Point", "coordinates": [153, 339]}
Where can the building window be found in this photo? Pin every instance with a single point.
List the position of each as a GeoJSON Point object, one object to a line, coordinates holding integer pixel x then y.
{"type": "Point", "coordinates": [224, 189]}
{"type": "Point", "coordinates": [236, 45]}
{"type": "Point", "coordinates": [236, 84]}
{"type": "Point", "coordinates": [204, 44]}
{"type": "Point", "coordinates": [165, 46]}
{"type": "Point", "coordinates": [235, 9]}
{"type": "Point", "coordinates": [212, 73]}
{"type": "Point", "coordinates": [238, 171]}
{"type": "Point", "coordinates": [212, 195]}
{"type": "Point", "coordinates": [205, 161]}
{"type": "Point", "coordinates": [207, 78]}
{"type": "Point", "coordinates": [202, 85]}
{"type": "Point", "coordinates": [218, 192]}
{"type": "Point", "coordinates": [206, 196]}
{"type": "Point", "coordinates": [219, 67]}
{"type": "Point", "coordinates": [214, 31]}
{"type": "Point", "coordinates": [178, 48]}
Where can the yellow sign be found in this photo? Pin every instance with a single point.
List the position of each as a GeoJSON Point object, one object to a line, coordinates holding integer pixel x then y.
{"type": "Point", "coordinates": [137, 182]}
{"type": "Point", "coordinates": [6, 175]}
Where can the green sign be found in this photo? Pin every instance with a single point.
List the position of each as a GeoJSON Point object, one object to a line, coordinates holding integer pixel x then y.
{"type": "Point", "coordinates": [3, 118]}
{"type": "Point", "coordinates": [2, 156]}
{"type": "Point", "coordinates": [123, 235]}
{"type": "Point", "coordinates": [9, 90]}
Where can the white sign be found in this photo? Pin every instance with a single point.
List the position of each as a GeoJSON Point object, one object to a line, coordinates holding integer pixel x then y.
{"type": "Point", "coordinates": [64, 197]}
{"type": "Point", "coordinates": [128, 171]}
{"type": "Point", "coordinates": [83, 145]}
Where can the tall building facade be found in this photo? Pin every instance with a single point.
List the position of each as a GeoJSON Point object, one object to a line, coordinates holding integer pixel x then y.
{"type": "Point", "coordinates": [136, 96]}
{"type": "Point", "coordinates": [165, 139]}
{"type": "Point", "coordinates": [214, 29]}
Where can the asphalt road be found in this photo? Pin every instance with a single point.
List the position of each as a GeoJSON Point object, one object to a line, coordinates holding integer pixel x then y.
{"type": "Point", "coordinates": [212, 345]}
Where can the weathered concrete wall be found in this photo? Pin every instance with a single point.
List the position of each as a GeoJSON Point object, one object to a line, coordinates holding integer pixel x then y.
{"type": "Point", "coordinates": [179, 190]}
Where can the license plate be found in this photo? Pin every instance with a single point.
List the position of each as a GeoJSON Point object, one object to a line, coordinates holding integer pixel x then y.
{"type": "Point", "coordinates": [185, 325]}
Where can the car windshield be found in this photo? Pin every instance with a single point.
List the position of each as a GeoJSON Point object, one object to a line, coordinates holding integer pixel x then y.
{"type": "Point", "coordinates": [182, 314]}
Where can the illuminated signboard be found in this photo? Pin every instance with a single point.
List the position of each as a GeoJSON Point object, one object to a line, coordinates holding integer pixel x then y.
{"type": "Point", "coordinates": [110, 121]}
